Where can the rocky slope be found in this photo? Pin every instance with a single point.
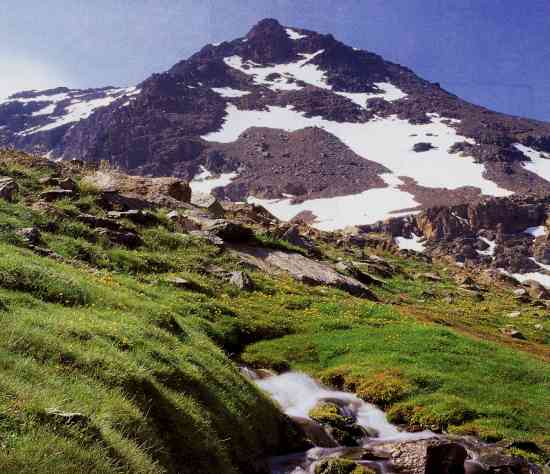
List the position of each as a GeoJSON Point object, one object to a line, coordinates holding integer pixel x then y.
{"type": "Point", "coordinates": [297, 121]}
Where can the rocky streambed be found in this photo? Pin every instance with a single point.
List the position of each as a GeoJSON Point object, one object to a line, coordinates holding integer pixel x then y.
{"type": "Point", "coordinates": [355, 437]}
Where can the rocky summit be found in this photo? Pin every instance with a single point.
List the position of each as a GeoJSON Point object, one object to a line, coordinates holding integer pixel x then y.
{"type": "Point", "coordinates": [283, 255]}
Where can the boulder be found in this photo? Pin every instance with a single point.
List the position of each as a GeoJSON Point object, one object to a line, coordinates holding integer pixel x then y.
{"type": "Point", "coordinates": [427, 456]}
{"type": "Point", "coordinates": [512, 332]}
{"type": "Point", "coordinates": [95, 221]}
{"type": "Point", "coordinates": [31, 235]}
{"type": "Point", "coordinates": [183, 284]}
{"type": "Point", "coordinates": [209, 203]}
{"type": "Point", "coordinates": [316, 433]}
{"type": "Point", "coordinates": [68, 184]}
{"type": "Point", "coordinates": [443, 223]}
{"type": "Point", "coordinates": [228, 231]}
{"type": "Point", "coordinates": [241, 280]}
{"type": "Point", "coordinates": [422, 147]}
{"type": "Point", "coordinates": [354, 271]}
{"type": "Point", "coordinates": [182, 222]}
{"type": "Point", "coordinates": [164, 192]}
{"type": "Point", "coordinates": [341, 466]}
{"type": "Point", "coordinates": [127, 239]}
{"type": "Point", "coordinates": [537, 291]}
{"type": "Point", "coordinates": [8, 188]}
{"type": "Point", "coordinates": [292, 235]}
{"type": "Point", "coordinates": [301, 268]}
{"type": "Point", "coordinates": [56, 194]}
{"type": "Point", "coordinates": [341, 427]}
{"type": "Point", "coordinates": [137, 216]}
{"type": "Point", "coordinates": [498, 463]}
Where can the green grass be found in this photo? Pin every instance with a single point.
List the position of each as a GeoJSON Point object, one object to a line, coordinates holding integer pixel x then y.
{"type": "Point", "coordinates": [157, 394]}
{"type": "Point", "coordinates": [425, 375]}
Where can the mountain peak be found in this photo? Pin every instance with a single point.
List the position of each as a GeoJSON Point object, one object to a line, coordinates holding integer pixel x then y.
{"type": "Point", "coordinates": [267, 26]}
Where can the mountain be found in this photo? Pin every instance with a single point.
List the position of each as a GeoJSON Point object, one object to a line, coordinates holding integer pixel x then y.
{"type": "Point", "coordinates": [298, 122]}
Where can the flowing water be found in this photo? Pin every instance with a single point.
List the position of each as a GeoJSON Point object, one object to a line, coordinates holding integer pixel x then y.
{"type": "Point", "coordinates": [297, 393]}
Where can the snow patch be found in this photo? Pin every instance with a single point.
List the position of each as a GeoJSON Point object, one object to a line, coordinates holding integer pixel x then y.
{"type": "Point", "coordinates": [389, 93]}
{"type": "Point", "coordinates": [294, 35]}
{"type": "Point", "coordinates": [287, 74]}
{"type": "Point", "coordinates": [410, 244]}
{"type": "Point", "coordinates": [539, 164]}
{"type": "Point", "coordinates": [342, 211]}
{"type": "Point", "coordinates": [49, 109]}
{"type": "Point", "coordinates": [78, 109]}
{"type": "Point", "coordinates": [229, 92]}
{"type": "Point", "coordinates": [205, 182]}
{"type": "Point", "coordinates": [386, 141]}
{"type": "Point", "coordinates": [539, 277]}
{"type": "Point", "coordinates": [537, 231]}
{"type": "Point", "coordinates": [54, 98]}
{"type": "Point", "coordinates": [490, 252]}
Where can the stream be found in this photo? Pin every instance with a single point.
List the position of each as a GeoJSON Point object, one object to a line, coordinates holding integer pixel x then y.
{"type": "Point", "coordinates": [297, 393]}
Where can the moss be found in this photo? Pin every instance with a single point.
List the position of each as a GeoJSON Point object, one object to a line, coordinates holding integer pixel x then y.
{"type": "Point", "coordinates": [341, 466]}
{"type": "Point", "coordinates": [448, 410]}
{"type": "Point", "coordinates": [330, 414]}
{"type": "Point", "coordinates": [343, 429]}
{"type": "Point", "coordinates": [383, 388]}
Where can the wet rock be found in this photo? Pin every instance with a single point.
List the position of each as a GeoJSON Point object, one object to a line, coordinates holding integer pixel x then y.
{"type": "Point", "coordinates": [316, 433]}
{"type": "Point", "coordinates": [342, 428]}
{"type": "Point", "coordinates": [8, 188]}
{"type": "Point", "coordinates": [428, 456]}
{"type": "Point", "coordinates": [498, 463]}
{"type": "Point", "coordinates": [341, 466]}
{"type": "Point", "coordinates": [56, 194]}
{"type": "Point", "coordinates": [241, 280]}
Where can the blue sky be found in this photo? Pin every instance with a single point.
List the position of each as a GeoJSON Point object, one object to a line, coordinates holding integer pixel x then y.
{"type": "Point", "coordinates": [492, 52]}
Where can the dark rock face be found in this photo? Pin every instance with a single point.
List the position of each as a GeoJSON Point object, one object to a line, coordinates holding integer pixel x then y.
{"type": "Point", "coordinates": [158, 127]}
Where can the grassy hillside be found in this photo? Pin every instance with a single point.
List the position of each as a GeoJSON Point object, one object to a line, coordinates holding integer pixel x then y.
{"type": "Point", "coordinates": [107, 366]}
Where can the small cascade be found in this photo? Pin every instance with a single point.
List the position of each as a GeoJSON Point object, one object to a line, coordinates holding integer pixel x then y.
{"type": "Point", "coordinates": [297, 393]}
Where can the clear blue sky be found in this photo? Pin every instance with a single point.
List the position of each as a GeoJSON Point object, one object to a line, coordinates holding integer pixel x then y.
{"type": "Point", "coordinates": [492, 52]}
